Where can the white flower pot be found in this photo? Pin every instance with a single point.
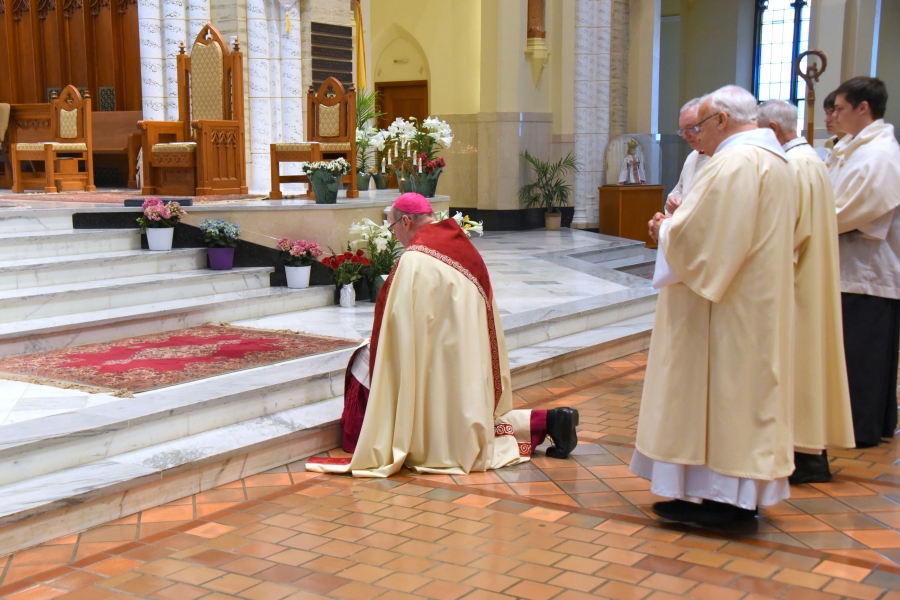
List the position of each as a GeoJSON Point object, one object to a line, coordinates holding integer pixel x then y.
{"type": "Point", "coordinates": [160, 238]}
{"type": "Point", "coordinates": [297, 277]}
{"type": "Point", "coordinates": [348, 296]}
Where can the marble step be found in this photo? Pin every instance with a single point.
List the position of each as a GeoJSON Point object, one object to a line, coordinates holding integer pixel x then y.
{"type": "Point", "coordinates": [45, 220]}
{"type": "Point", "coordinates": [35, 272]}
{"type": "Point", "coordinates": [47, 507]}
{"type": "Point", "coordinates": [27, 245]}
{"type": "Point", "coordinates": [103, 294]}
{"type": "Point", "coordinates": [53, 443]}
{"type": "Point", "coordinates": [138, 462]}
{"type": "Point", "coordinates": [542, 325]}
{"type": "Point", "coordinates": [64, 331]}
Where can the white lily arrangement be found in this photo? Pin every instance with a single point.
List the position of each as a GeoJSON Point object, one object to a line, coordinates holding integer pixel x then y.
{"type": "Point", "coordinates": [379, 243]}
{"type": "Point", "coordinates": [338, 166]}
{"type": "Point", "coordinates": [465, 223]}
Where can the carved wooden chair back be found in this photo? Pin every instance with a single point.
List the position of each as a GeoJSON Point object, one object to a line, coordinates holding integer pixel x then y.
{"type": "Point", "coordinates": [331, 112]}
{"type": "Point", "coordinates": [70, 116]}
{"type": "Point", "coordinates": [210, 81]}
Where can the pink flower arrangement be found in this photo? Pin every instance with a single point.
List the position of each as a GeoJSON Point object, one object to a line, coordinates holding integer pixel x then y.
{"type": "Point", "coordinates": [158, 214]}
{"type": "Point", "coordinates": [298, 253]}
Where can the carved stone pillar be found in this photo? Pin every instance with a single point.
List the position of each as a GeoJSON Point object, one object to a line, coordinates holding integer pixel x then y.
{"type": "Point", "coordinates": [593, 38]}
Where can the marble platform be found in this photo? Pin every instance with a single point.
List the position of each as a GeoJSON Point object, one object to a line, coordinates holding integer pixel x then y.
{"type": "Point", "coordinates": [69, 460]}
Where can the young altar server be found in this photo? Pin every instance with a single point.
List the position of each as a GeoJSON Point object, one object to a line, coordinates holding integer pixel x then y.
{"type": "Point", "coordinates": [715, 430]}
{"type": "Point", "coordinates": [695, 161]}
{"type": "Point", "coordinates": [822, 417]}
{"type": "Point", "coordinates": [440, 398]}
{"type": "Point", "coordinates": [866, 178]}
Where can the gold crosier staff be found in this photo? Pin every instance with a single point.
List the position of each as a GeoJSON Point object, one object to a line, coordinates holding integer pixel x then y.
{"type": "Point", "coordinates": [811, 77]}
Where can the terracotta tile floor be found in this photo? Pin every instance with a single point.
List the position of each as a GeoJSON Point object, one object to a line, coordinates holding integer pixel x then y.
{"type": "Point", "coordinates": [547, 529]}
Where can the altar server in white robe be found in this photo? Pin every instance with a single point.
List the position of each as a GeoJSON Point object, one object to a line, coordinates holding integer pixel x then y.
{"type": "Point", "coordinates": [822, 416]}
{"type": "Point", "coordinates": [687, 119]}
{"type": "Point", "coordinates": [866, 180]}
{"type": "Point", "coordinates": [715, 430]}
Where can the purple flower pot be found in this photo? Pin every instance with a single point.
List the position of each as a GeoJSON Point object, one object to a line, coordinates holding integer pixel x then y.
{"type": "Point", "coordinates": [221, 259]}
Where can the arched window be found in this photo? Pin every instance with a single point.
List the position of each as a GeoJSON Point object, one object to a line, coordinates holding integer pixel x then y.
{"type": "Point", "coordinates": [782, 33]}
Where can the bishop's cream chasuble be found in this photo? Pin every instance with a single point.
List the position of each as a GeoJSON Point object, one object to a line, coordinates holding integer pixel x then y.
{"type": "Point", "coordinates": [441, 398]}
{"type": "Point", "coordinates": [822, 417]}
{"type": "Point", "coordinates": [719, 379]}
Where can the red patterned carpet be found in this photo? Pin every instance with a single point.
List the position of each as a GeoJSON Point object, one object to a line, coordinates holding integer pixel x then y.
{"type": "Point", "coordinates": [148, 362]}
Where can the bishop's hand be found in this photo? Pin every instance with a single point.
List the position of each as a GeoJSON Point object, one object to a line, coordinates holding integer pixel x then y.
{"type": "Point", "coordinates": [655, 224]}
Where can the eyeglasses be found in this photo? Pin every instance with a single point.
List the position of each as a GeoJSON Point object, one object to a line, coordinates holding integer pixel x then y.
{"type": "Point", "coordinates": [696, 127]}
{"type": "Point", "coordinates": [391, 226]}
{"type": "Point", "coordinates": [682, 132]}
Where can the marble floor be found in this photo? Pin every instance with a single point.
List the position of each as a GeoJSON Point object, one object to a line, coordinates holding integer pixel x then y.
{"type": "Point", "coordinates": [548, 529]}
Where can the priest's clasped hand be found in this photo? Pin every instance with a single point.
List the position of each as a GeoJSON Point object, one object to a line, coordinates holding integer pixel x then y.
{"type": "Point", "coordinates": [672, 203]}
{"type": "Point", "coordinates": [654, 225]}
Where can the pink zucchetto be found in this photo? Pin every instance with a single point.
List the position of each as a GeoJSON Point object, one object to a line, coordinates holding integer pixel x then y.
{"type": "Point", "coordinates": [413, 204]}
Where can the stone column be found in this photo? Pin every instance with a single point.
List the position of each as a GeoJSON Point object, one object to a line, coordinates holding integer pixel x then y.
{"type": "Point", "coordinates": [153, 85]}
{"type": "Point", "coordinates": [593, 34]}
{"type": "Point", "coordinates": [174, 34]}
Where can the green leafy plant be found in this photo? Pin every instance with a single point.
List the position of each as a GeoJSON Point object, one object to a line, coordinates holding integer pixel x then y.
{"type": "Point", "coordinates": [366, 107]}
{"type": "Point", "coordinates": [549, 189]}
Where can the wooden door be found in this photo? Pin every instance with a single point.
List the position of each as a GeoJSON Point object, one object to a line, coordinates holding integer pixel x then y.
{"type": "Point", "coordinates": [401, 99]}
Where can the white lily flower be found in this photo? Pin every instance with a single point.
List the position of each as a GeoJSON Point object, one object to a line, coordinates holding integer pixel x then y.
{"type": "Point", "coordinates": [479, 228]}
{"type": "Point", "coordinates": [458, 217]}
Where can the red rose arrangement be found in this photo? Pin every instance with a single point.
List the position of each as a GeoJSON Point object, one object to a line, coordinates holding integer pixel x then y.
{"type": "Point", "coordinates": [347, 267]}
{"type": "Point", "coordinates": [430, 166]}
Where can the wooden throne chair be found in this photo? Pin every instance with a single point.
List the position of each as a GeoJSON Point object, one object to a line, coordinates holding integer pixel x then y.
{"type": "Point", "coordinates": [67, 152]}
{"type": "Point", "coordinates": [201, 154]}
{"type": "Point", "coordinates": [330, 134]}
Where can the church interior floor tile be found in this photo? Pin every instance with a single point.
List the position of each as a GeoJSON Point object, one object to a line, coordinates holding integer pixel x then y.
{"type": "Point", "coordinates": [569, 529]}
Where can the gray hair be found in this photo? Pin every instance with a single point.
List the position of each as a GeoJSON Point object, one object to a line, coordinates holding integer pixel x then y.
{"type": "Point", "coordinates": [777, 111]}
{"type": "Point", "coordinates": [736, 102]}
{"type": "Point", "coordinates": [690, 104]}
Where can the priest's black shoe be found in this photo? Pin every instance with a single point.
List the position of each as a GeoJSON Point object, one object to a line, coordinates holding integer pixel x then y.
{"type": "Point", "coordinates": [810, 468]}
{"type": "Point", "coordinates": [561, 423]}
{"type": "Point", "coordinates": [707, 514]}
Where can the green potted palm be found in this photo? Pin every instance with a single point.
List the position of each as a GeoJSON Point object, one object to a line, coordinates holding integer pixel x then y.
{"type": "Point", "coordinates": [366, 113]}
{"type": "Point", "coordinates": [549, 189]}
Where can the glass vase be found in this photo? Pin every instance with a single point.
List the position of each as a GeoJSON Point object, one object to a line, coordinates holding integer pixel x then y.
{"type": "Point", "coordinates": [348, 296]}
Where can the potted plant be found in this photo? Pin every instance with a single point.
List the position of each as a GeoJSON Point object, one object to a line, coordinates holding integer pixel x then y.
{"type": "Point", "coordinates": [382, 250]}
{"type": "Point", "coordinates": [410, 146]}
{"type": "Point", "coordinates": [549, 189]}
{"type": "Point", "coordinates": [158, 222]}
{"type": "Point", "coordinates": [465, 223]}
{"type": "Point", "coordinates": [347, 268]}
{"type": "Point", "coordinates": [366, 112]}
{"type": "Point", "coordinates": [298, 257]}
{"type": "Point", "coordinates": [325, 177]}
{"type": "Point", "coordinates": [221, 237]}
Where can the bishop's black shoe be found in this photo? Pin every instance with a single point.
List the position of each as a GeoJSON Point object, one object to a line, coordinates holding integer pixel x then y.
{"type": "Point", "coordinates": [810, 468]}
{"type": "Point", "coordinates": [707, 514]}
{"type": "Point", "coordinates": [561, 423]}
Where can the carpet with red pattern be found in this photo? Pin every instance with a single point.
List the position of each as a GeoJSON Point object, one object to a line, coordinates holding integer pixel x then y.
{"type": "Point", "coordinates": [148, 362]}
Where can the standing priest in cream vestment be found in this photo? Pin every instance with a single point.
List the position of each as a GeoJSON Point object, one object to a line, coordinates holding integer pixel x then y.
{"type": "Point", "coordinates": [715, 429]}
{"type": "Point", "coordinates": [695, 161]}
{"type": "Point", "coordinates": [441, 398]}
{"type": "Point", "coordinates": [822, 417]}
{"type": "Point", "coordinates": [866, 176]}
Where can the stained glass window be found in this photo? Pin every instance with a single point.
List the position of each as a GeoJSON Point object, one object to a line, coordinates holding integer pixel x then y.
{"type": "Point", "coordinates": [782, 34]}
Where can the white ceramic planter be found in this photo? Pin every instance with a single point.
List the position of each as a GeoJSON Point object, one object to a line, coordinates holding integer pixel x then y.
{"type": "Point", "coordinates": [348, 296]}
{"type": "Point", "coordinates": [160, 238]}
{"type": "Point", "coordinates": [297, 277]}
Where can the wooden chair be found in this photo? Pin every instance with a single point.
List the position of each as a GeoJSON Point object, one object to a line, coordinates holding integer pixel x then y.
{"type": "Point", "coordinates": [6, 178]}
{"type": "Point", "coordinates": [202, 153]}
{"type": "Point", "coordinates": [330, 134]}
{"type": "Point", "coordinates": [70, 145]}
